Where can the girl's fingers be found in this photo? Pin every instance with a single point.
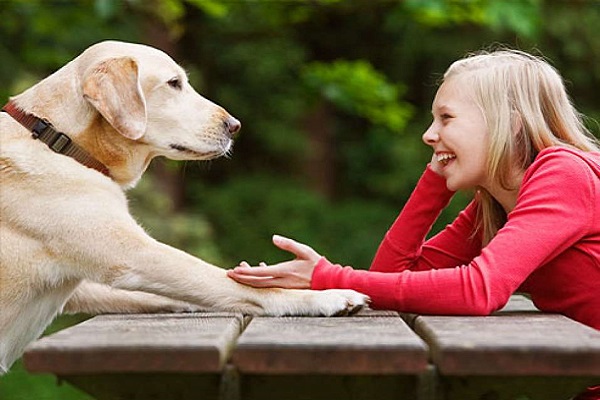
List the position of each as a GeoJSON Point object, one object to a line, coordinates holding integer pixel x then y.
{"type": "Point", "coordinates": [245, 268]}
{"type": "Point", "coordinates": [263, 271]}
{"type": "Point", "coordinates": [267, 282]}
{"type": "Point", "coordinates": [299, 249]}
{"type": "Point", "coordinates": [269, 276]}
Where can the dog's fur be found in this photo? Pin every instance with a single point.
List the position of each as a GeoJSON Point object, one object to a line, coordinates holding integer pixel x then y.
{"type": "Point", "coordinates": [67, 240]}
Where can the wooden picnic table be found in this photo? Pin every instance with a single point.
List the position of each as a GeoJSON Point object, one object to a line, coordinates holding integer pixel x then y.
{"type": "Point", "coordinates": [518, 353]}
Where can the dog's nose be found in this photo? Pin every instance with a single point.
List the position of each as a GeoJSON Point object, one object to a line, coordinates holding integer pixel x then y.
{"type": "Point", "coordinates": [233, 125]}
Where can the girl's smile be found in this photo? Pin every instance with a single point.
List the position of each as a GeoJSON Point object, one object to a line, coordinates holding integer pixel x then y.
{"type": "Point", "coordinates": [445, 158]}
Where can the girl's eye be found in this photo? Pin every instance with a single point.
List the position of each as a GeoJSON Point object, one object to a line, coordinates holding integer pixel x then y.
{"type": "Point", "coordinates": [175, 83]}
{"type": "Point", "coordinates": [446, 116]}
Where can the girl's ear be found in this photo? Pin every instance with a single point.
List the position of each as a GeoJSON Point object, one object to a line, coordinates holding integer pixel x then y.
{"type": "Point", "coordinates": [113, 88]}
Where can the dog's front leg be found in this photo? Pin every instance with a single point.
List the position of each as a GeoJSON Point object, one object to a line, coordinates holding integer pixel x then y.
{"type": "Point", "coordinates": [95, 298]}
{"type": "Point", "coordinates": [163, 270]}
{"type": "Point", "coordinates": [112, 249]}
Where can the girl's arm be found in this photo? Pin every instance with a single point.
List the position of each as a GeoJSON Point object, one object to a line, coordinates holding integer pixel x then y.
{"type": "Point", "coordinates": [546, 221]}
{"type": "Point", "coordinates": [401, 249]}
{"type": "Point", "coordinates": [404, 247]}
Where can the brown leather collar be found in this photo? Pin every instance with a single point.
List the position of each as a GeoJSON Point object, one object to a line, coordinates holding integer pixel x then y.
{"type": "Point", "coordinates": [57, 141]}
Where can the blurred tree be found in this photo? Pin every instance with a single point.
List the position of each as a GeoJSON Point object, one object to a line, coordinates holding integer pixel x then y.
{"type": "Point", "coordinates": [39, 36]}
{"type": "Point", "coordinates": [333, 96]}
{"type": "Point", "coordinates": [324, 90]}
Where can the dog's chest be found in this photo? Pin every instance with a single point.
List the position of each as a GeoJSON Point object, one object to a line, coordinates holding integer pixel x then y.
{"type": "Point", "coordinates": [28, 318]}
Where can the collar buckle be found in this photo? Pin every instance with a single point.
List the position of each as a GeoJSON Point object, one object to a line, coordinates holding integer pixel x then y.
{"type": "Point", "coordinates": [40, 127]}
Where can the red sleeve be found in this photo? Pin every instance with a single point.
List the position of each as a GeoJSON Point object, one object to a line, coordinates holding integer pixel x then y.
{"type": "Point", "coordinates": [528, 240]}
{"type": "Point", "coordinates": [404, 246]}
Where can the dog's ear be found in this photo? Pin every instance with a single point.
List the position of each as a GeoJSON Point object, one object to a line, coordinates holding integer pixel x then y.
{"type": "Point", "coordinates": [113, 88]}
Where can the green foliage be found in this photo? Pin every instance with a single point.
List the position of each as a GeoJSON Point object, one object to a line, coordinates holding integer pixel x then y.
{"type": "Point", "coordinates": [214, 8]}
{"type": "Point", "coordinates": [40, 36]}
{"type": "Point", "coordinates": [441, 12]}
{"type": "Point", "coordinates": [249, 210]}
{"type": "Point", "coordinates": [377, 164]}
{"type": "Point", "coordinates": [190, 231]}
{"type": "Point", "coordinates": [521, 16]}
{"type": "Point", "coordinates": [357, 88]}
{"type": "Point", "coordinates": [20, 385]}
{"type": "Point", "coordinates": [374, 64]}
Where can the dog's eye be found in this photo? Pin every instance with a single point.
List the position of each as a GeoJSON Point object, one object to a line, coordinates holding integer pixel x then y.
{"type": "Point", "coordinates": [175, 83]}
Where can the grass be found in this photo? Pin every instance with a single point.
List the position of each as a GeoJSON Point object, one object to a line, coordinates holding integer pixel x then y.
{"type": "Point", "coordinates": [18, 384]}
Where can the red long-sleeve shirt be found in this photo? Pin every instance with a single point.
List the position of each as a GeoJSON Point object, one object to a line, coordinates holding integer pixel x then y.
{"type": "Point", "coordinates": [549, 248]}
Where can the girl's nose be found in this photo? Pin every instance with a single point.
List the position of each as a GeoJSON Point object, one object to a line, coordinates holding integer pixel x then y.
{"type": "Point", "coordinates": [431, 137]}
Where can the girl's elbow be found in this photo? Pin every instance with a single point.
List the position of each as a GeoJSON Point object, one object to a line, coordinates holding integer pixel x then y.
{"type": "Point", "coordinates": [487, 303]}
{"type": "Point", "coordinates": [482, 310]}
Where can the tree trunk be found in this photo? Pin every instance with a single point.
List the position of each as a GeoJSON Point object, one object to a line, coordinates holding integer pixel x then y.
{"type": "Point", "coordinates": [320, 160]}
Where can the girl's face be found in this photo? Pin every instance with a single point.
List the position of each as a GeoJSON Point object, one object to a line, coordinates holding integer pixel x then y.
{"type": "Point", "coordinates": [459, 137]}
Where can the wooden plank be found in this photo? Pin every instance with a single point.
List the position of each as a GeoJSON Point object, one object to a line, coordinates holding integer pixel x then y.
{"type": "Point", "coordinates": [518, 304]}
{"type": "Point", "coordinates": [511, 343]}
{"type": "Point", "coordinates": [193, 343]}
{"type": "Point", "coordinates": [368, 312]}
{"type": "Point", "coordinates": [344, 345]}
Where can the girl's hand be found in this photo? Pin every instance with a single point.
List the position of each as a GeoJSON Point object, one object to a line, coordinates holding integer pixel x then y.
{"type": "Point", "coordinates": [293, 274]}
{"type": "Point", "coordinates": [435, 165]}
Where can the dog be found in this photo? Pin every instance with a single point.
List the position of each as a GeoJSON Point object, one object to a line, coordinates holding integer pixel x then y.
{"type": "Point", "coordinates": [69, 148]}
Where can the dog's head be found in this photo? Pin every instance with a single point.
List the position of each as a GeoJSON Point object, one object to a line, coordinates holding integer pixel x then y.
{"type": "Point", "coordinates": [146, 97]}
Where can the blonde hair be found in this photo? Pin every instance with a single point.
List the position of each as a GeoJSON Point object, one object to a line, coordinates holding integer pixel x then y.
{"type": "Point", "coordinates": [527, 109]}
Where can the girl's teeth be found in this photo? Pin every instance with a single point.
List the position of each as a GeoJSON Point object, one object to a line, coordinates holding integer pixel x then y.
{"type": "Point", "coordinates": [445, 158]}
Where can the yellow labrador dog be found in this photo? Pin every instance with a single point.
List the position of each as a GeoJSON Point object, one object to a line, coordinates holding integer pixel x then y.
{"type": "Point", "coordinates": [69, 146]}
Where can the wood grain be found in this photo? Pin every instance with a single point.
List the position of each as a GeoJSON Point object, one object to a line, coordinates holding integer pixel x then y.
{"type": "Point", "coordinates": [349, 345]}
{"type": "Point", "coordinates": [511, 344]}
{"type": "Point", "coordinates": [138, 343]}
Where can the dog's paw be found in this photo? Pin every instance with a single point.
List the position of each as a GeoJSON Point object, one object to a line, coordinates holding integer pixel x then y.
{"type": "Point", "coordinates": [308, 303]}
{"type": "Point", "coordinates": [338, 302]}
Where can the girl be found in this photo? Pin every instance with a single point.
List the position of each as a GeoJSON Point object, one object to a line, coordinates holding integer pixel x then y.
{"type": "Point", "coordinates": [504, 126]}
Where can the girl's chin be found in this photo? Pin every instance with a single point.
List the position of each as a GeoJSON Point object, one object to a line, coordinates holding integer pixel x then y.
{"type": "Point", "coordinates": [454, 185]}
{"type": "Point", "coordinates": [451, 187]}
